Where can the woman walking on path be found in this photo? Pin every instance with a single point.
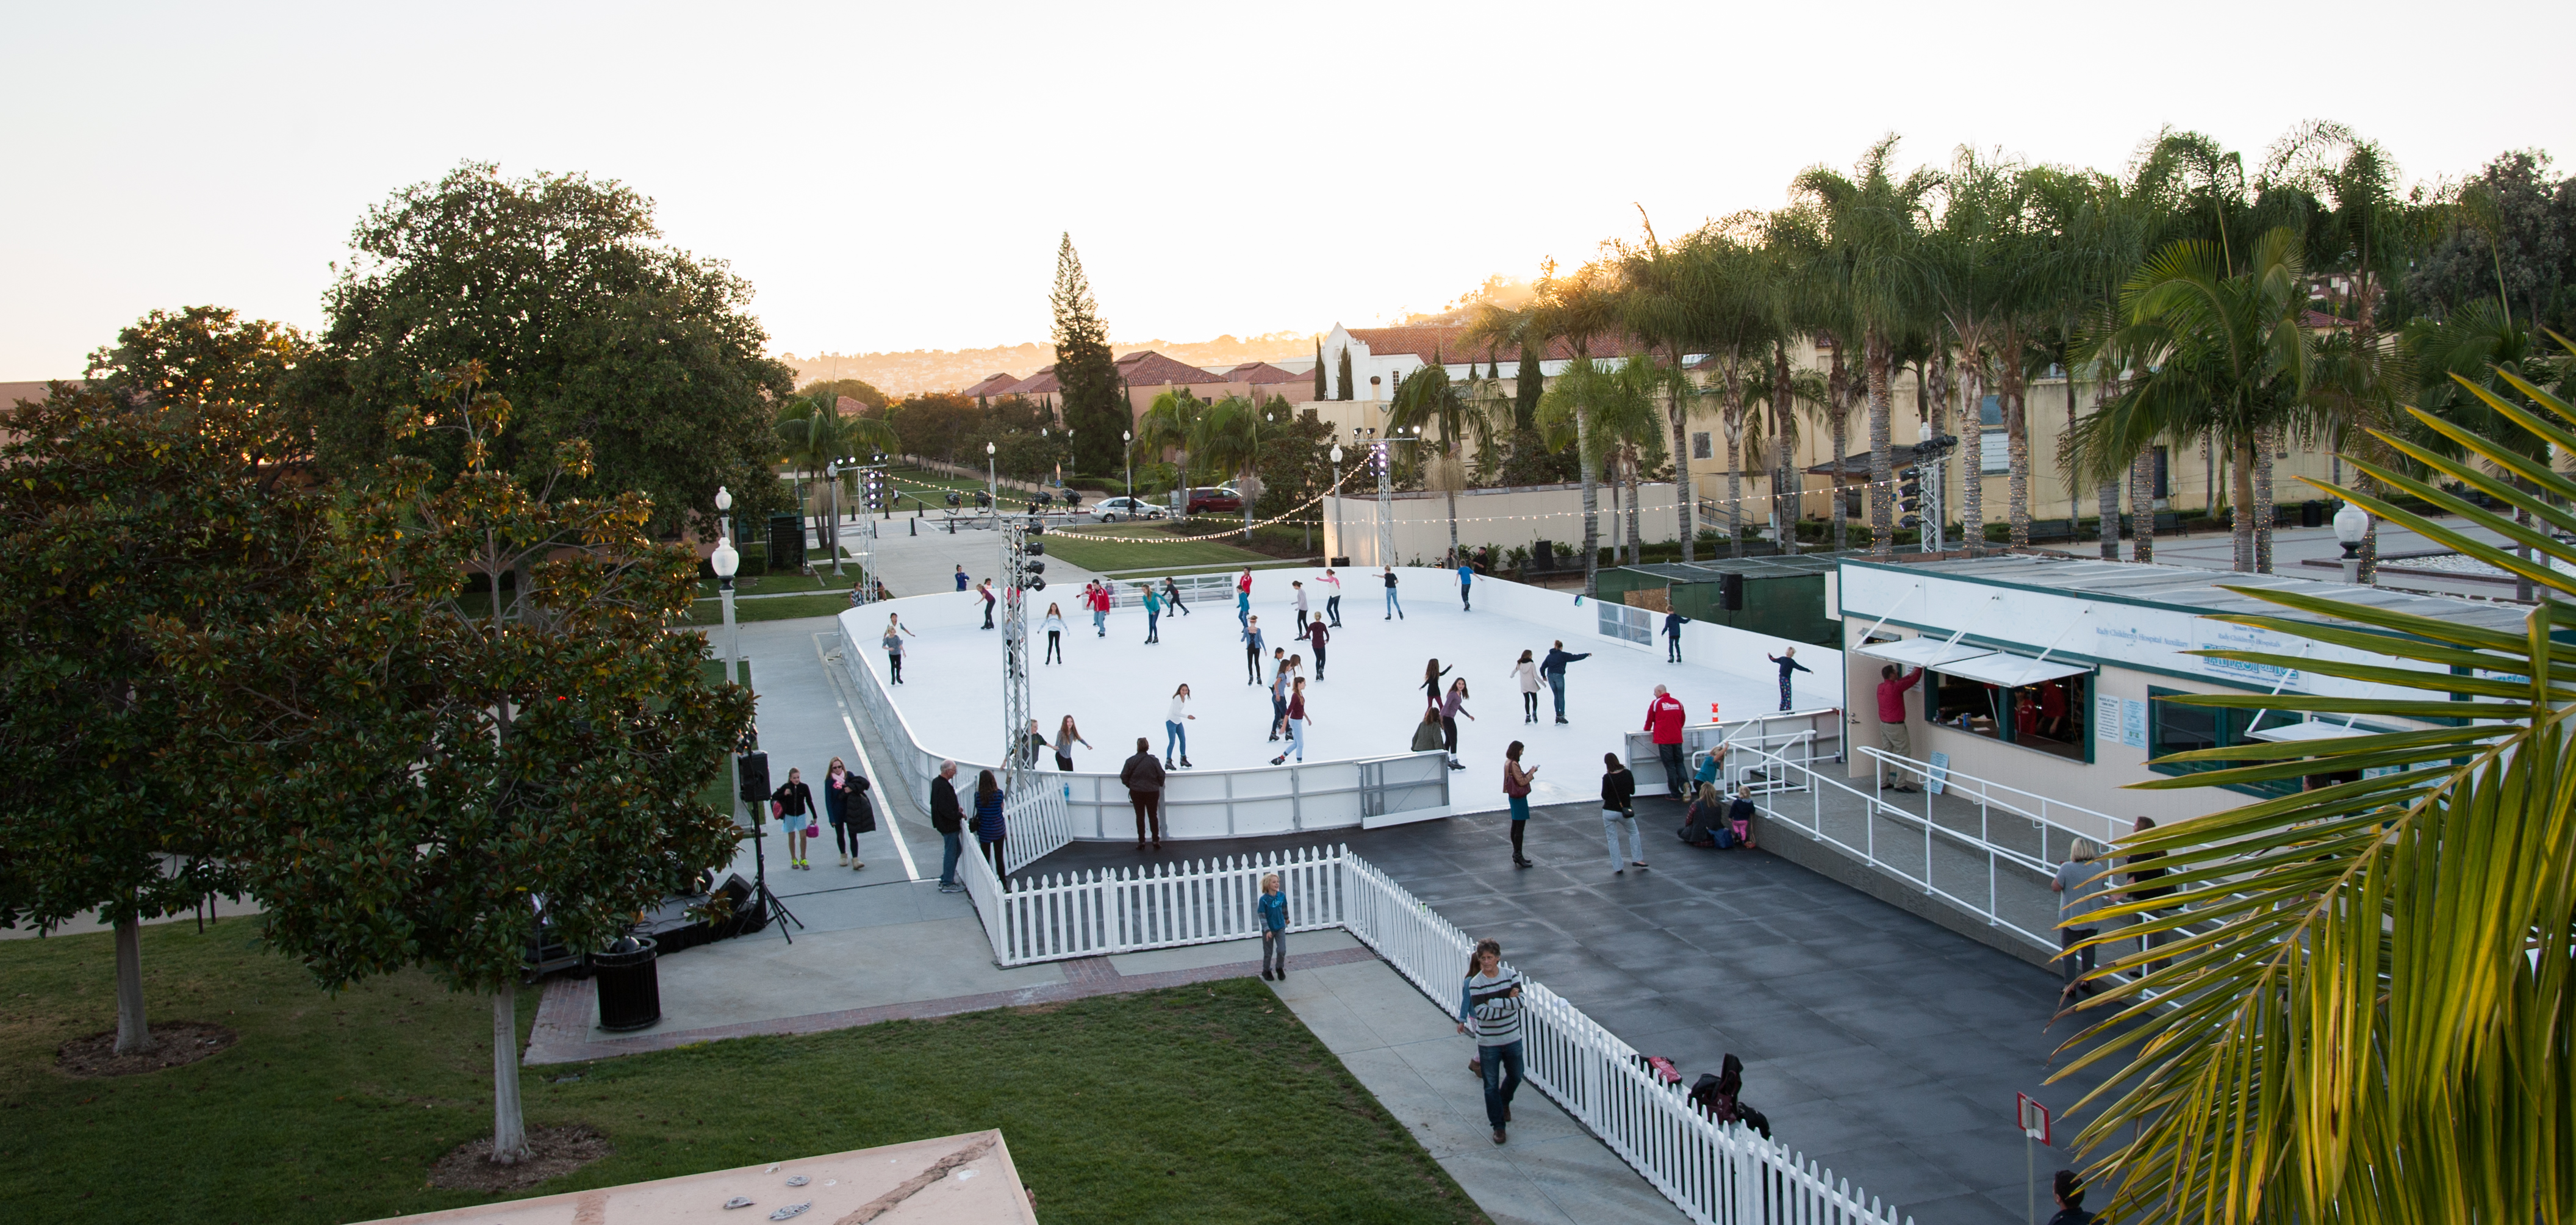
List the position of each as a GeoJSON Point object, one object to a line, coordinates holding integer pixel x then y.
{"type": "Point", "coordinates": [989, 830]}
{"type": "Point", "coordinates": [1252, 650]}
{"type": "Point", "coordinates": [1553, 668]}
{"type": "Point", "coordinates": [1296, 722]}
{"type": "Point", "coordinates": [845, 804]}
{"type": "Point", "coordinates": [1618, 812]}
{"type": "Point", "coordinates": [1431, 674]}
{"type": "Point", "coordinates": [2079, 884]}
{"type": "Point", "coordinates": [1153, 615]}
{"type": "Point", "coordinates": [1394, 607]}
{"type": "Point", "coordinates": [795, 803]}
{"type": "Point", "coordinates": [1174, 735]}
{"type": "Point", "coordinates": [1526, 673]}
{"type": "Point", "coordinates": [1054, 627]}
{"type": "Point", "coordinates": [1172, 595]}
{"type": "Point", "coordinates": [1452, 706]}
{"type": "Point", "coordinates": [1332, 608]}
{"type": "Point", "coordinates": [895, 630]}
{"type": "Point", "coordinates": [1491, 1000]}
{"type": "Point", "coordinates": [1067, 736]}
{"type": "Point", "coordinates": [1516, 789]}
{"type": "Point", "coordinates": [1274, 928]}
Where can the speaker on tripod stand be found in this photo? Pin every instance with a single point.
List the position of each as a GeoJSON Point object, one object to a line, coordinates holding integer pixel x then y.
{"type": "Point", "coordinates": [751, 771]}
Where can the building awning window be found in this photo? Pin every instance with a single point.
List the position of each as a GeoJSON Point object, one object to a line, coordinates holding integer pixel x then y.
{"type": "Point", "coordinates": [2010, 671]}
{"type": "Point", "coordinates": [1926, 652]}
{"type": "Point", "coordinates": [2307, 731]}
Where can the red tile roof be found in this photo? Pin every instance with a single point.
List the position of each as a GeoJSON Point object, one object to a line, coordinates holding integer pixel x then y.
{"type": "Point", "coordinates": [993, 385]}
{"type": "Point", "coordinates": [1146, 368]}
{"type": "Point", "coordinates": [1450, 343]}
{"type": "Point", "coordinates": [1040, 384]}
{"type": "Point", "coordinates": [1262, 373]}
{"type": "Point", "coordinates": [2318, 321]}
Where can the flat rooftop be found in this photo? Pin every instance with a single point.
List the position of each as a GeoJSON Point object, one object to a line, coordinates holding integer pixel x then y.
{"type": "Point", "coordinates": [2199, 591]}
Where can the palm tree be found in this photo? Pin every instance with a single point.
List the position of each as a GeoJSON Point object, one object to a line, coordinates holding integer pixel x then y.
{"type": "Point", "coordinates": [1578, 308]}
{"type": "Point", "coordinates": [813, 433]}
{"type": "Point", "coordinates": [1168, 425]}
{"type": "Point", "coordinates": [1227, 438]}
{"type": "Point", "coordinates": [2374, 1000]}
{"type": "Point", "coordinates": [2223, 357]}
{"type": "Point", "coordinates": [1786, 392]}
{"type": "Point", "coordinates": [1706, 294]}
{"type": "Point", "coordinates": [1426, 398]}
{"type": "Point", "coordinates": [1873, 221]}
{"type": "Point", "coordinates": [1965, 264]}
{"type": "Point", "coordinates": [2464, 361]}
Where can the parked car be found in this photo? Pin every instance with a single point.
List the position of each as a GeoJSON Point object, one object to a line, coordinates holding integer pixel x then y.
{"type": "Point", "coordinates": [1115, 509]}
{"type": "Point", "coordinates": [1218, 499]}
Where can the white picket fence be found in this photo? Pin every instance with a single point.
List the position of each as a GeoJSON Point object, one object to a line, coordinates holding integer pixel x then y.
{"type": "Point", "coordinates": [1717, 1175]}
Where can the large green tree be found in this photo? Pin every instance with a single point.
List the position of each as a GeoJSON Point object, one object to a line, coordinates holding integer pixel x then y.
{"type": "Point", "coordinates": [1095, 406]}
{"type": "Point", "coordinates": [157, 492]}
{"type": "Point", "coordinates": [585, 322]}
{"type": "Point", "coordinates": [410, 773]}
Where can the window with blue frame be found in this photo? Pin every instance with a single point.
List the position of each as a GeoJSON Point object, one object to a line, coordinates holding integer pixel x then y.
{"type": "Point", "coordinates": [2176, 728]}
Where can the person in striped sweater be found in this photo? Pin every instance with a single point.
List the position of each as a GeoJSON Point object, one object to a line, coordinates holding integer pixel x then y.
{"type": "Point", "coordinates": [1490, 999]}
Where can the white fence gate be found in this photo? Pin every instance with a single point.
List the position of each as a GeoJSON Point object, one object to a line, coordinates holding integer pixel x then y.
{"type": "Point", "coordinates": [1718, 1175]}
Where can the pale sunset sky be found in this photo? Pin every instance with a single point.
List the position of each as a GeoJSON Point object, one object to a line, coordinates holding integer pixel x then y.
{"type": "Point", "coordinates": [895, 176]}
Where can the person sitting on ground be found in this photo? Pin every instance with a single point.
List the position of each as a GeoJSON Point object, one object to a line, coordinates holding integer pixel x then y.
{"type": "Point", "coordinates": [1707, 813]}
{"type": "Point", "coordinates": [1427, 735]}
{"type": "Point", "coordinates": [1739, 819]}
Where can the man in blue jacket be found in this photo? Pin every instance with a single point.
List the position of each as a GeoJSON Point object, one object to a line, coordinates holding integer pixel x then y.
{"type": "Point", "coordinates": [1673, 623]}
{"type": "Point", "coordinates": [1553, 668]}
{"type": "Point", "coordinates": [1788, 664]}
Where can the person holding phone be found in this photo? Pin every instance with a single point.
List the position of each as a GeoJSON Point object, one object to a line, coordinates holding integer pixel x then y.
{"type": "Point", "coordinates": [1516, 788]}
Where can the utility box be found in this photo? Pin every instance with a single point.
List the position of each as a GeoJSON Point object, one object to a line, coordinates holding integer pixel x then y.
{"type": "Point", "coordinates": [786, 544]}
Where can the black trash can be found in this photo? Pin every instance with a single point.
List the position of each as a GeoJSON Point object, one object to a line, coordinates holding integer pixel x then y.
{"type": "Point", "coordinates": [630, 985]}
{"type": "Point", "coordinates": [2312, 514]}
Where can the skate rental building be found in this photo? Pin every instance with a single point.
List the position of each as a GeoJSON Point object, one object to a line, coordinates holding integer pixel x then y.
{"type": "Point", "coordinates": [2055, 674]}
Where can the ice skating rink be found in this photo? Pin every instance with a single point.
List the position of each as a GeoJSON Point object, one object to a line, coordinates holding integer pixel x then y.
{"type": "Point", "coordinates": [1369, 696]}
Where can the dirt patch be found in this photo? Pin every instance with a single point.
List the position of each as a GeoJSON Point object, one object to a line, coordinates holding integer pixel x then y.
{"type": "Point", "coordinates": [552, 1151]}
{"type": "Point", "coordinates": [173, 1043]}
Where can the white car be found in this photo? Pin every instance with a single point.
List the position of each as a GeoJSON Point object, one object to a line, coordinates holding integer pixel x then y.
{"type": "Point", "coordinates": [1114, 509]}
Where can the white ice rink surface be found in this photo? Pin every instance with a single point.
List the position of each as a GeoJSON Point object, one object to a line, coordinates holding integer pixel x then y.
{"type": "Point", "coordinates": [1369, 697]}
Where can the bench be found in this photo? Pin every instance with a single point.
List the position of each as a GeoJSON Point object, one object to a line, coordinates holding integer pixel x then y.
{"type": "Point", "coordinates": [2051, 529]}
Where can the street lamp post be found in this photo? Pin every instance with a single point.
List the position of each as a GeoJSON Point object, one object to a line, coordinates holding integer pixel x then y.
{"type": "Point", "coordinates": [1336, 495]}
{"type": "Point", "coordinates": [726, 561]}
{"type": "Point", "coordinates": [993, 483]}
{"type": "Point", "coordinates": [2350, 525]}
{"type": "Point", "coordinates": [830, 536]}
{"type": "Point", "coordinates": [1127, 443]}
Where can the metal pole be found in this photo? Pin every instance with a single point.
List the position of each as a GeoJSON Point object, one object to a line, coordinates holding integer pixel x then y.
{"type": "Point", "coordinates": [1337, 506]}
{"type": "Point", "coordinates": [733, 637]}
{"type": "Point", "coordinates": [832, 473]}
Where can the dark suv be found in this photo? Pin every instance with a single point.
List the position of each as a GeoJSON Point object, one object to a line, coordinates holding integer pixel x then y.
{"type": "Point", "coordinates": [1212, 499]}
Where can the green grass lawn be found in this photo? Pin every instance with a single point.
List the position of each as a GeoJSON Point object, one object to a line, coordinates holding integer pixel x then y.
{"type": "Point", "coordinates": [784, 608]}
{"type": "Point", "coordinates": [1105, 556]}
{"type": "Point", "coordinates": [1205, 1103]}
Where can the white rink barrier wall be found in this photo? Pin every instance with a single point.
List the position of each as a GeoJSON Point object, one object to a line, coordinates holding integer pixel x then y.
{"type": "Point", "coordinates": [1717, 1175]}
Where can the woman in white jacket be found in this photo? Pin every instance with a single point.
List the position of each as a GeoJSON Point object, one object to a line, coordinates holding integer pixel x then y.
{"type": "Point", "coordinates": [1526, 672]}
{"type": "Point", "coordinates": [1054, 627]}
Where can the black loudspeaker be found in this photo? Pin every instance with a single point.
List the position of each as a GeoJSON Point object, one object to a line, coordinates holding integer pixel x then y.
{"type": "Point", "coordinates": [752, 769]}
{"type": "Point", "coordinates": [1730, 592]}
{"type": "Point", "coordinates": [786, 544]}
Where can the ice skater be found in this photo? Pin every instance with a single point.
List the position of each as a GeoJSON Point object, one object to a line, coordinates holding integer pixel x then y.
{"type": "Point", "coordinates": [1788, 662]}
{"type": "Point", "coordinates": [1316, 637]}
{"type": "Point", "coordinates": [961, 578]}
{"type": "Point", "coordinates": [1431, 674]}
{"type": "Point", "coordinates": [1067, 736]}
{"type": "Point", "coordinates": [1100, 609]}
{"type": "Point", "coordinates": [1452, 706]}
{"type": "Point", "coordinates": [1278, 693]}
{"type": "Point", "coordinates": [1332, 606]}
{"type": "Point", "coordinates": [1466, 581]}
{"type": "Point", "coordinates": [1394, 606]}
{"type": "Point", "coordinates": [1673, 623]}
{"type": "Point", "coordinates": [1526, 674]}
{"type": "Point", "coordinates": [1296, 723]}
{"type": "Point", "coordinates": [985, 589]}
{"type": "Point", "coordinates": [1299, 586]}
{"type": "Point", "coordinates": [894, 632]}
{"type": "Point", "coordinates": [1553, 668]}
{"type": "Point", "coordinates": [1252, 650]}
{"type": "Point", "coordinates": [1243, 599]}
{"type": "Point", "coordinates": [1175, 736]}
{"type": "Point", "coordinates": [1172, 596]}
{"type": "Point", "coordinates": [1053, 624]}
{"type": "Point", "coordinates": [1153, 614]}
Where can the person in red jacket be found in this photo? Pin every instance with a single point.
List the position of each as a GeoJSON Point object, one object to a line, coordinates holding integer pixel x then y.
{"type": "Point", "coordinates": [1664, 719]}
{"type": "Point", "coordinates": [1891, 723]}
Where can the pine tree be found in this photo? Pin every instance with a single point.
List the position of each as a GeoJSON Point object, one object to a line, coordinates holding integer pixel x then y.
{"type": "Point", "coordinates": [1346, 372]}
{"type": "Point", "coordinates": [1319, 368]}
{"type": "Point", "coordinates": [1093, 409]}
{"type": "Point", "coordinates": [1528, 383]}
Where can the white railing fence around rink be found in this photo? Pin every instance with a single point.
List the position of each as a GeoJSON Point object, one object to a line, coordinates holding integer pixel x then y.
{"type": "Point", "coordinates": [2067, 820]}
{"type": "Point", "coordinates": [1719, 1175]}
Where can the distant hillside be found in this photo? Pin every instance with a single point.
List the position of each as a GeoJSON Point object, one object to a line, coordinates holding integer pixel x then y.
{"type": "Point", "coordinates": [902, 374]}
